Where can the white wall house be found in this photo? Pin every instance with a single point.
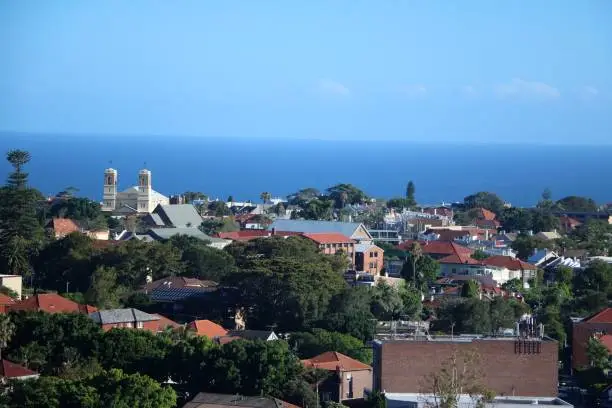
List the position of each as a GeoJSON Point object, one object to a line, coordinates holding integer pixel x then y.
{"type": "Point", "coordinates": [486, 274]}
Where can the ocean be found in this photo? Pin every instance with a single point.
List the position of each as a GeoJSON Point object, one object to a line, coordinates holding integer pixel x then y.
{"type": "Point", "coordinates": [244, 167]}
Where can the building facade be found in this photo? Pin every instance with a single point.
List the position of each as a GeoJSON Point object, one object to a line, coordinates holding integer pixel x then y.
{"type": "Point", "coordinates": [140, 198]}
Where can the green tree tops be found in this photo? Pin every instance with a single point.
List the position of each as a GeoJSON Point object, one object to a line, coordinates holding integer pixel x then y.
{"type": "Point", "coordinates": [410, 190]}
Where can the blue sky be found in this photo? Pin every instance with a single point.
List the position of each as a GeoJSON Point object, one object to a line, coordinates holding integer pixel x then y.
{"type": "Point", "coordinates": [484, 71]}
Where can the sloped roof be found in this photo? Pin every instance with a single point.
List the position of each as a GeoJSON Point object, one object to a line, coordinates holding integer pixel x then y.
{"type": "Point", "coordinates": [6, 300]}
{"type": "Point", "coordinates": [550, 235]}
{"type": "Point", "coordinates": [51, 303]}
{"type": "Point", "coordinates": [63, 226]}
{"type": "Point", "coordinates": [464, 259]}
{"type": "Point", "coordinates": [164, 322]}
{"type": "Point", "coordinates": [311, 226]}
{"type": "Point", "coordinates": [486, 214]}
{"type": "Point", "coordinates": [513, 264]}
{"type": "Point", "coordinates": [8, 369]}
{"type": "Point", "coordinates": [179, 282]}
{"type": "Point", "coordinates": [167, 233]}
{"type": "Point", "coordinates": [438, 247]}
{"type": "Point", "coordinates": [603, 316]}
{"type": "Point", "coordinates": [155, 195]}
{"type": "Point", "coordinates": [366, 247]}
{"type": "Point", "coordinates": [210, 400]}
{"type": "Point", "coordinates": [111, 316]}
{"type": "Point", "coordinates": [170, 294]}
{"type": "Point", "coordinates": [179, 215]}
{"type": "Point", "coordinates": [328, 238]}
{"type": "Point", "coordinates": [208, 328]}
{"type": "Point", "coordinates": [332, 361]}
{"type": "Point", "coordinates": [247, 235]}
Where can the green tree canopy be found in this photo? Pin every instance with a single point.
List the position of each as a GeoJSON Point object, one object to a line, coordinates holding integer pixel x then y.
{"type": "Point", "coordinates": [343, 194]}
{"type": "Point", "coordinates": [576, 203]}
{"type": "Point", "coordinates": [483, 199]}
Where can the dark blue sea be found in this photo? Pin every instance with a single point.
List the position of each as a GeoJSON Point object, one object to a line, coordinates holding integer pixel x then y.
{"type": "Point", "coordinates": [244, 167]}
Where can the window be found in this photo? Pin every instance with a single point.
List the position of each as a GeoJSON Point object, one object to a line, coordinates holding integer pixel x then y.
{"type": "Point", "coordinates": [375, 254]}
{"type": "Point", "coordinates": [139, 325]}
{"type": "Point", "coordinates": [371, 254]}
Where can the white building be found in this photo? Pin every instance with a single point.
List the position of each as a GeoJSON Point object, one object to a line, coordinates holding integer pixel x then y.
{"type": "Point", "coordinates": [140, 198]}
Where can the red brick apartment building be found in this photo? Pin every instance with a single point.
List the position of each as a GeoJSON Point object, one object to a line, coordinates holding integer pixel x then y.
{"type": "Point", "coordinates": [510, 366]}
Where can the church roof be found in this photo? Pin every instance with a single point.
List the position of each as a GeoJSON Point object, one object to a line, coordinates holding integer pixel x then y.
{"type": "Point", "coordinates": [155, 195]}
{"type": "Point", "coordinates": [178, 215]}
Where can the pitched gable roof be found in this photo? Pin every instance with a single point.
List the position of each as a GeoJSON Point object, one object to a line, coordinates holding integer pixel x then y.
{"type": "Point", "coordinates": [465, 259]}
{"type": "Point", "coordinates": [328, 238]}
{"type": "Point", "coordinates": [130, 315]}
{"type": "Point", "coordinates": [485, 214]}
{"type": "Point", "coordinates": [164, 323]}
{"type": "Point", "coordinates": [211, 400]}
{"type": "Point", "coordinates": [310, 226]}
{"type": "Point", "coordinates": [247, 235]}
{"type": "Point", "coordinates": [178, 215]}
{"type": "Point", "coordinates": [438, 248]}
{"type": "Point", "coordinates": [63, 226]}
{"type": "Point", "coordinates": [603, 316]}
{"type": "Point", "coordinates": [178, 282]}
{"type": "Point", "coordinates": [513, 264]}
{"type": "Point", "coordinates": [332, 360]}
{"type": "Point", "coordinates": [8, 369]}
{"type": "Point", "coordinates": [208, 328]}
{"type": "Point", "coordinates": [51, 303]}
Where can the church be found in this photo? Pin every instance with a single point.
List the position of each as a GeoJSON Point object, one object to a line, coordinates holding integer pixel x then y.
{"type": "Point", "coordinates": [137, 199]}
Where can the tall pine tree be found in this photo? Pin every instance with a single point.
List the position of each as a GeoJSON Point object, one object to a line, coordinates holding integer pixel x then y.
{"type": "Point", "coordinates": [21, 233]}
{"type": "Point", "coordinates": [410, 190]}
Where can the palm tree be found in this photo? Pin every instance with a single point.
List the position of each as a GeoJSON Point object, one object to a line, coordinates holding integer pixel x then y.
{"type": "Point", "coordinates": [416, 252]}
{"type": "Point", "coordinates": [265, 197]}
{"type": "Point", "coordinates": [7, 329]}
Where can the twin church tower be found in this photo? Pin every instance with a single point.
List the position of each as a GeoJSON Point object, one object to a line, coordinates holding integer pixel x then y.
{"type": "Point", "coordinates": [137, 199]}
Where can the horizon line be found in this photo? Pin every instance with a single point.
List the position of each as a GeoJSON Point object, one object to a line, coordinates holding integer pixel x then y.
{"type": "Point", "coordinates": [302, 138]}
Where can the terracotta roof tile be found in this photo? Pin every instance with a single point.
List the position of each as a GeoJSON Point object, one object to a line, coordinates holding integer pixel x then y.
{"type": "Point", "coordinates": [603, 316]}
{"type": "Point", "coordinates": [328, 238]}
{"type": "Point", "coordinates": [6, 300]}
{"type": "Point", "coordinates": [164, 322]}
{"type": "Point", "coordinates": [606, 340]}
{"type": "Point", "coordinates": [64, 226]}
{"type": "Point", "coordinates": [509, 262]}
{"type": "Point", "coordinates": [464, 259]}
{"type": "Point", "coordinates": [208, 328]}
{"type": "Point", "coordinates": [439, 248]}
{"type": "Point", "coordinates": [51, 303]}
{"type": "Point", "coordinates": [8, 369]}
{"type": "Point", "coordinates": [486, 214]}
{"type": "Point", "coordinates": [332, 361]}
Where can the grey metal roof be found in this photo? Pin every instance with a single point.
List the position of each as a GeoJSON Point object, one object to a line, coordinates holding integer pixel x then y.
{"type": "Point", "coordinates": [163, 294]}
{"type": "Point", "coordinates": [179, 215]}
{"type": "Point", "coordinates": [310, 226]}
{"type": "Point", "coordinates": [121, 316]}
{"type": "Point", "coordinates": [207, 399]}
{"type": "Point", "coordinates": [157, 219]}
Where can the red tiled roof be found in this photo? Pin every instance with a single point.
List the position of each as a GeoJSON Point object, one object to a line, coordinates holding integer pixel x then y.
{"type": "Point", "coordinates": [164, 322]}
{"type": "Point", "coordinates": [464, 259]}
{"type": "Point", "coordinates": [486, 214]}
{"type": "Point", "coordinates": [510, 263]}
{"type": "Point", "coordinates": [328, 238]}
{"type": "Point", "coordinates": [603, 316]}
{"type": "Point", "coordinates": [6, 300]}
{"type": "Point", "coordinates": [51, 303]}
{"type": "Point", "coordinates": [64, 226]}
{"type": "Point", "coordinates": [9, 369]}
{"type": "Point", "coordinates": [332, 361]}
{"type": "Point", "coordinates": [208, 328]}
{"type": "Point", "coordinates": [247, 235]}
{"type": "Point", "coordinates": [439, 247]}
{"type": "Point", "coordinates": [606, 340]}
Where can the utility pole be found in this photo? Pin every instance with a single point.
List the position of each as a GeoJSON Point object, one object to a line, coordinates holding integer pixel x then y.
{"type": "Point", "coordinates": [67, 284]}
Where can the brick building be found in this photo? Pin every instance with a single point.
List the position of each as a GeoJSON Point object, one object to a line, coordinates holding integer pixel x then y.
{"type": "Point", "coordinates": [348, 377]}
{"type": "Point", "coordinates": [131, 319]}
{"type": "Point", "coordinates": [599, 323]}
{"type": "Point", "coordinates": [510, 366]}
{"type": "Point", "coordinates": [331, 243]}
{"type": "Point", "coordinates": [369, 258]}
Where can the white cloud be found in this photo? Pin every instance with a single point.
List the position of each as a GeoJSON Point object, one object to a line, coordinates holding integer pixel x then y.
{"type": "Point", "coordinates": [469, 90]}
{"type": "Point", "coordinates": [414, 90]}
{"type": "Point", "coordinates": [332, 87]}
{"type": "Point", "coordinates": [588, 92]}
{"type": "Point", "coordinates": [519, 88]}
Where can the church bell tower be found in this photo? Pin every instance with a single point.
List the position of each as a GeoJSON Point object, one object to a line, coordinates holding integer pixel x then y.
{"type": "Point", "coordinates": [144, 191]}
{"type": "Point", "coordinates": [109, 200]}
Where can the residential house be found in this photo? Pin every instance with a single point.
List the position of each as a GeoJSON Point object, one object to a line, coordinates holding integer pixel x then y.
{"type": "Point", "coordinates": [356, 231]}
{"type": "Point", "coordinates": [331, 243]}
{"type": "Point", "coordinates": [510, 366]}
{"type": "Point", "coordinates": [131, 319]}
{"type": "Point", "coordinates": [61, 227]}
{"type": "Point", "coordinates": [389, 236]}
{"type": "Point", "coordinates": [208, 329]}
{"type": "Point", "coordinates": [599, 324]}
{"type": "Point", "coordinates": [51, 303]}
{"type": "Point", "coordinates": [369, 258]}
{"type": "Point", "coordinates": [5, 303]}
{"type": "Point", "coordinates": [99, 234]}
{"type": "Point", "coordinates": [177, 282]}
{"type": "Point", "coordinates": [524, 269]}
{"type": "Point", "coordinates": [173, 216]}
{"type": "Point", "coordinates": [12, 371]}
{"type": "Point", "coordinates": [462, 267]}
{"type": "Point", "coordinates": [13, 282]}
{"type": "Point", "coordinates": [163, 234]}
{"type": "Point", "coordinates": [265, 335]}
{"type": "Point", "coordinates": [568, 224]}
{"type": "Point", "coordinates": [348, 379]}
{"type": "Point", "coordinates": [438, 249]}
{"type": "Point", "coordinates": [210, 400]}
